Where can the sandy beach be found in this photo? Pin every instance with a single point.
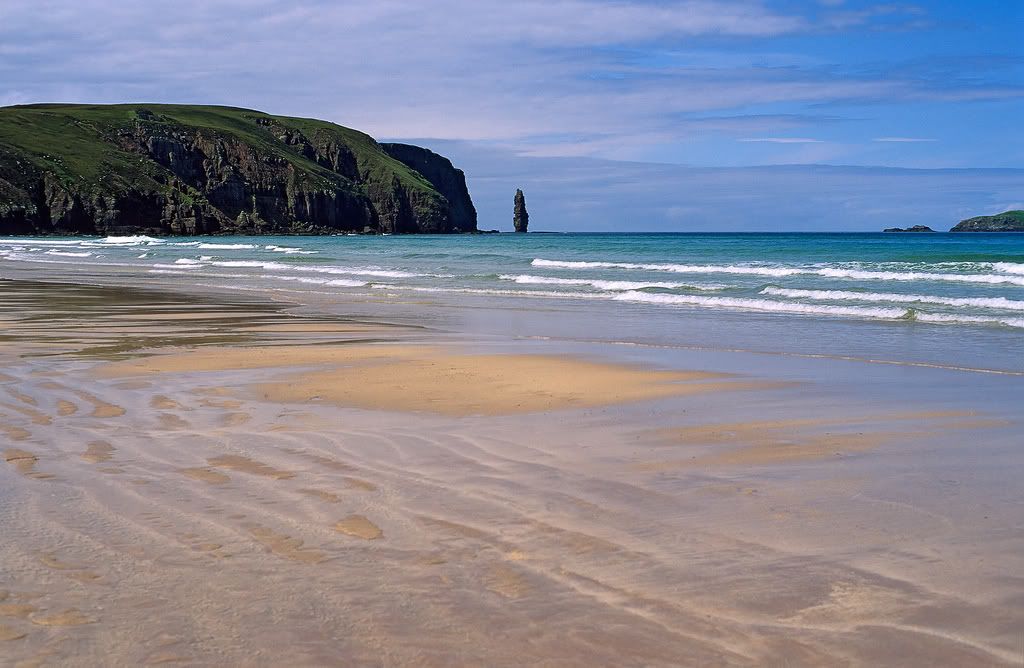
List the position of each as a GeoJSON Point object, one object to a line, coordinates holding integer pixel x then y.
{"type": "Point", "coordinates": [227, 480]}
{"type": "Point", "coordinates": [557, 334]}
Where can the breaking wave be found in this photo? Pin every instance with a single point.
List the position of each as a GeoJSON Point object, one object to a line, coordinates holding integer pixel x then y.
{"type": "Point", "coordinates": [1007, 277]}
{"type": "Point", "coordinates": [897, 298]}
{"type": "Point", "coordinates": [527, 279]}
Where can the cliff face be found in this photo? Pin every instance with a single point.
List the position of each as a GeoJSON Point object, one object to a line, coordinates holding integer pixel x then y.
{"type": "Point", "coordinates": [176, 169]}
{"type": "Point", "coordinates": [1008, 221]}
{"type": "Point", "coordinates": [444, 177]}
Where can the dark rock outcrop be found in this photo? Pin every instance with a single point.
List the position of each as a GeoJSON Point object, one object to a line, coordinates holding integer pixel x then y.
{"type": "Point", "coordinates": [445, 179]}
{"type": "Point", "coordinates": [177, 169]}
{"type": "Point", "coordinates": [1008, 221]}
{"type": "Point", "coordinates": [915, 228]}
{"type": "Point", "coordinates": [520, 216]}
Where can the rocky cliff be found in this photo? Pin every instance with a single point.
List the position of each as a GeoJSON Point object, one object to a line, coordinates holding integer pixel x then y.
{"type": "Point", "coordinates": [1008, 221]}
{"type": "Point", "coordinates": [179, 169]}
{"type": "Point", "coordinates": [444, 177]}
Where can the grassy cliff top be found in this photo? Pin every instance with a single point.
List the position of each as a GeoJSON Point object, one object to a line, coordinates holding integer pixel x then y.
{"type": "Point", "coordinates": [1007, 221]}
{"type": "Point", "coordinates": [79, 142]}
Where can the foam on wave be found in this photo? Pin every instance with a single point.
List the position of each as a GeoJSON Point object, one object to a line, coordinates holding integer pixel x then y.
{"type": "Point", "coordinates": [289, 250]}
{"type": "Point", "coordinates": [762, 305]}
{"type": "Point", "coordinates": [779, 272]}
{"type": "Point", "coordinates": [130, 241]}
{"type": "Point", "coordinates": [527, 279]}
{"type": "Point", "coordinates": [68, 253]}
{"type": "Point", "coordinates": [279, 266]}
{"type": "Point", "coordinates": [1009, 267]}
{"type": "Point", "coordinates": [674, 268]}
{"type": "Point", "coordinates": [21, 243]}
{"type": "Point", "coordinates": [897, 298]}
{"type": "Point", "coordinates": [993, 279]}
{"type": "Point", "coordinates": [337, 282]}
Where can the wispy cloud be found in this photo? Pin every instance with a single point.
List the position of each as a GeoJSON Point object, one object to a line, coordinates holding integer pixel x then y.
{"type": "Point", "coordinates": [605, 78]}
{"type": "Point", "coordinates": [879, 16]}
{"type": "Point", "coordinates": [613, 195]}
{"type": "Point", "coordinates": [782, 140]}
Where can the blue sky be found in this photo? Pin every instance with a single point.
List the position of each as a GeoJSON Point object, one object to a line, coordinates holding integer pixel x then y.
{"type": "Point", "coordinates": [680, 103]}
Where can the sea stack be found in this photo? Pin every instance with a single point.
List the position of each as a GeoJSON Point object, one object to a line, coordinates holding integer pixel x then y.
{"type": "Point", "coordinates": [520, 217]}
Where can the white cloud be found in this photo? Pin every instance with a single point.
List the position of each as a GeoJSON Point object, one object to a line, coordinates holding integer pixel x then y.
{"type": "Point", "coordinates": [556, 77]}
{"type": "Point", "coordinates": [596, 195]}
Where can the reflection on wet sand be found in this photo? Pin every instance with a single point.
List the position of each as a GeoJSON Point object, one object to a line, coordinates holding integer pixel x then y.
{"type": "Point", "coordinates": [234, 485]}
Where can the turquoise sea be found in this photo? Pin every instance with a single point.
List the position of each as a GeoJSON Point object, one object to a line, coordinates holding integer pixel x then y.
{"type": "Point", "coordinates": [943, 299]}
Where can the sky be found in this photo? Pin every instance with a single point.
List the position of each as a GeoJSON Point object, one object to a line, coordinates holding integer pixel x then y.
{"type": "Point", "coordinates": [611, 115]}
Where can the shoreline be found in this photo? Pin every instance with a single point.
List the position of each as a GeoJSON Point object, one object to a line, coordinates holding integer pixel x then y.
{"type": "Point", "coordinates": [766, 513]}
{"type": "Point", "coordinates": [830, 295]}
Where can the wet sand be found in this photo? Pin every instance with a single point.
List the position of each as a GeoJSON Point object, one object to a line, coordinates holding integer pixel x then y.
{"type": "Point", "coordinates": [421, 378]}
{"type": "Point", "coordinates": [237, 485]}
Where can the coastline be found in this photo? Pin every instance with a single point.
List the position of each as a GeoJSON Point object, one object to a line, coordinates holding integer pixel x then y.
{"type": "Point", "coordinates": [168, 449]}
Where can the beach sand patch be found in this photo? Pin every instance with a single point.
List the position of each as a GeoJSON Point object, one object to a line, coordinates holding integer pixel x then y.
{"type": "Point", "coordinates": [432, 379]}
{"type": "Point", "coordinates": [8, 633]}
{"type": "Point", "coordinates": [50, 560]}
{"type": "Point", "coordinates": [230, 404]}
{"type": "Point", "coordinates": [23, 398]}
{"type": "Point", "coordinates": [24, 462]}
{"type": "Point", "coordinates": [238, 358]}
{"type": "Point", "coordinates": [162, 403]}
{"type": "Point", "coordinates": [71, 617]}
{"type": "Point", "coordinates": [98, 451]}
{"type": "Point", "coordinates": [235, 419]}
{"type": "Point", "coordinates": [17, 610]}
{"type": "Point", "coordinates": [805, 448]}
{"type": "Point", "coordinates": [205, 475]}
{"type": "Point", "coordinates": [462, 385]}
{"type": "Point", "coordinates": [286, 546]}
{"type": "Point", "coordinates": [35, 416]}
{"type": "Point", "coordinates": [763, 443]}
{"type": "Point", "coordinates": [359, 483]}
{"type": "Point", "coordinates": [506, 581]}
{"type": "Point", "coordinates": [359, 527]}
{"type": "Point", "coordinates": [100, 408]}
{"type": "Point", "coordinates": [171, 422]}
{"type": "Point", "coordinates": [246, 465]}
{"type": "Point", "coordinates": [323, 495]}
{"type": "Point", "coordinates": [14, 432]}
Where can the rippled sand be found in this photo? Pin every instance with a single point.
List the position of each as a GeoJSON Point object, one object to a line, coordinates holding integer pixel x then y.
{"type": "Point", "coordinates": [233, 485]}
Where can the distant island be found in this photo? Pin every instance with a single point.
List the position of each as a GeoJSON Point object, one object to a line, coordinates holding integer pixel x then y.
{"type": "Point", "coordinates": [163, 169]}
{"type": "Point", "coordinates": [1007, 221]}
{"type": "Point", "coordinates": [915, 228]}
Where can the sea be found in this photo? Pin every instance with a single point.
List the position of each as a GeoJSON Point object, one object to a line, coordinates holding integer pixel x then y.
{"type": "Point", "coordinates": [946, 300]}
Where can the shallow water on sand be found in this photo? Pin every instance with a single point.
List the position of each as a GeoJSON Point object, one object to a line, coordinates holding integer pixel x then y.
{"type": "Point", "coordinates": [166, 508]}
{"type": "Point", "coordinates": [878, 296]}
